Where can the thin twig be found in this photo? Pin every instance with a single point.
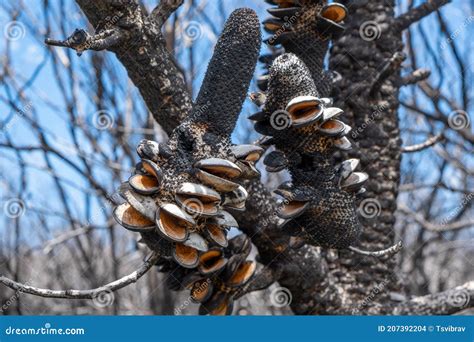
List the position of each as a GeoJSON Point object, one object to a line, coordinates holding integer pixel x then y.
{"type": "Point", "coordinates": [424, 145]}
{"type": "Point", "coordinates": [432, 227]}
{"type": "Point", "coordinates": [84, 294]}
{"type": "Point", "coordinates": [384, 252]}
{"type": "Point", "coordinates": [416, 76]}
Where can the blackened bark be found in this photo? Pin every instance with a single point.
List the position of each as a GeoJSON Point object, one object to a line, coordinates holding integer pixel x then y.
{"type": "Point", "coordinates": [360, 58]}
{"type": "Point", "coordinates": [143, 53]}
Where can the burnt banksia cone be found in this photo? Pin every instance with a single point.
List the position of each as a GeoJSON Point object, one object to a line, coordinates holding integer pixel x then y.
{"type": "Point", "coordinates": [178, 196]}
{"type": "Point", "coordinates": [221, 276]}
{"type": "Point", "coordinates": [318, 204]}
{"type": "Point", "coordinates": [304, 27]}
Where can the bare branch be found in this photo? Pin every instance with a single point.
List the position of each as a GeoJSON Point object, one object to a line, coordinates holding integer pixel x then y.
{"type": "Point", "coordinates": [63, 238]}
{"type": "Point", "coordinates": [391, 66]}
{"type": "Point", "coordinates": [164, 10]}
{"type": "Point", "coordinates": [444, 303]}
{"type": "Point", "coordinates": [428, 143]}
{"type": "Point", "coordinates": [81, 40]}
{"type": "Point", "coordinates": [415, 77]}
{"type": "Point", "coordinates": [384, 252]}
{"type": "Point", "coordinates": [84, 294]}
{"type": "Point", "coordinates": [404, 21]}
{"type": "Point", "coordinates": [436, 228]}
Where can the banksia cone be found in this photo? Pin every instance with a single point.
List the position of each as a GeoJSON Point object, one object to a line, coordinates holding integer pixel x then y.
{"type": "Point", "coordinates": [319, 202]}
{"type": "Point", "coordinates": [178, 195]}
{"type": "Point", "coordinates": [220, 276]}
{"type": "Point", "coordinates": [304, 27]}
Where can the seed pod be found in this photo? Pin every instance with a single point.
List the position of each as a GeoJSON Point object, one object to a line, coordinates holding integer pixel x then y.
{"type": "Point", "coordinates": [131, 219]}
{"type": "Point", "coordinates": [177, 194]}
{"type": "Point", "coordinates": [319, 205]}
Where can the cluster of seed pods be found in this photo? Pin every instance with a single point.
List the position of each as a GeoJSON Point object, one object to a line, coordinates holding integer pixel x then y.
{"type": "Point", "coordinates": [319, 203]}
{"type": "Point", "coordinates": [304, 27]}
{"type": "Point", "coordinates": [220, 277]}
{"type": "Point", "coordinates": [180, 192]}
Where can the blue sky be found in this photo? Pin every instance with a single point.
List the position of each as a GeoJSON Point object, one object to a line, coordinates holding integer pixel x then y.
{"type": "Point", "coordinates": [28, 54]}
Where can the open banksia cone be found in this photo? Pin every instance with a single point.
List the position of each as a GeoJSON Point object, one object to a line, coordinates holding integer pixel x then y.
{"type": "Point", "coordinates": [181, 190]}
{"type": "Point", "coordinates": [318, 204]}
{"type": "Point", "coordinates": [304, 27]}
{"type": "Point", "coordinates": [221, 275]}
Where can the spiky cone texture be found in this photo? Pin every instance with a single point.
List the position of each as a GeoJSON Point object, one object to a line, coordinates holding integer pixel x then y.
{"type": "Point", "coordinates": [304, 27]}
{"type": "Point", "coordinates": [179, 193]}
{"type": "Point", "coordinates": [319, 203]}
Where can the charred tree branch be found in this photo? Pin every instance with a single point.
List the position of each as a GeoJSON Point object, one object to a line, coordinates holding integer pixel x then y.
{"type": "Point", "coordinates": [444, 303]}
{"type": "Point", "coordinates": [81, 40]}
{"type": "Point", "coordinates": [415, 77]}
{"type": "Point", "coordinates": [164, 10]}
{"type": "Point", "coordinates": [391, 67]}
{"type": "Point", "coordinates": [404, 21]}
{"type": "Point", "coordinates": [144, 54]}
